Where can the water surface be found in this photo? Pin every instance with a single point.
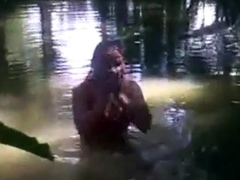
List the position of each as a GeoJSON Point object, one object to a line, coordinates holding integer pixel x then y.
{"type": "Point", "coordinates": [46, 50]}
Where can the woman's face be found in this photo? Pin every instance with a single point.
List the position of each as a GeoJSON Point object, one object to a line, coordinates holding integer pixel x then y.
{"type": "Point", "coordinates": [110, 65]}
{"type": "Point", "coordinates": [109, 61]}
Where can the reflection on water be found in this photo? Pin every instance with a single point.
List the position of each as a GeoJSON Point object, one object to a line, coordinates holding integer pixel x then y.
{"type": "Point", "coordinates": [45, 50]}
{"type": "Point", "coordinates": [205, 15]}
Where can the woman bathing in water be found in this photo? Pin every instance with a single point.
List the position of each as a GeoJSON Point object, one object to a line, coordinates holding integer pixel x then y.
{"type": "Point", "coordinates": [106, 102]}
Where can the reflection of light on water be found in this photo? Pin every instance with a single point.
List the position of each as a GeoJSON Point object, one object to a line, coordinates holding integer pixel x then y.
{"type": "Point", "coordinates": [188, 2]}
{"type": "Point", "coordinates": [233, 73]}
{"type": "Point", "coordinates": [204, 45]}
{"type": "Point", "coordinates": [159, 91]}
{"type": "Point", "coordinates": [76, 44]}
{"type": "Point", "coordinates": [33, 22]}
{"type": "Point", "coordinates": [130, 8]}
{"type": "Point", "coordinates": [205, 15]}
{"type": "Point", "coordinates": [80, 44]}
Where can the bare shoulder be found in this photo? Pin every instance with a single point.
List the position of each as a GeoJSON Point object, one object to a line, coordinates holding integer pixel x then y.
{"type": "Point", "coordinates": [82, 88]}
{"type": "Point", "coordinates": [130, 83]}
{"type": "Point", "coordinates": [131, 87]}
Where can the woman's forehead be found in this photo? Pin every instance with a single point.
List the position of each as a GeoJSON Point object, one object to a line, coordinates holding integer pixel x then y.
{"type": "Point", "coordinates": [109, 51]}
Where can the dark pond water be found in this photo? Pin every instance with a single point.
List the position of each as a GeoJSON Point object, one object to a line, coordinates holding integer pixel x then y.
{"type": "Point", "coordinates": [45, 50]}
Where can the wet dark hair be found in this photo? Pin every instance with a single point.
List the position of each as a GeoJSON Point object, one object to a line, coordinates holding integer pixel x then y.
{"type": "Point", "coordinates": [101, 50]}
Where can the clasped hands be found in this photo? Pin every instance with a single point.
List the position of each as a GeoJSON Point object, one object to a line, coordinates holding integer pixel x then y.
{"type": "Point", "coordinates": [116, 105]}
{"type": "Point", "coordinates": [111, 104]}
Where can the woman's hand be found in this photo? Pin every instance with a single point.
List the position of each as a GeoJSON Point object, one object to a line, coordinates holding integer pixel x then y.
{"type": "Point", "coordinates": [116, 106]}
{"type": "Point", "coordinates": [124, 99]}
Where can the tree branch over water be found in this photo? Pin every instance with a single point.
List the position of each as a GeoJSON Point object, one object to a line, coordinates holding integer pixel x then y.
{"type": "Point", "coordinates": [15, 138]}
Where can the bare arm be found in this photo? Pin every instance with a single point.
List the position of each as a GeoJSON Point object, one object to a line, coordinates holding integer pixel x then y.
{"type": "Point", "coordinates": [80, 113]}
{"type": "Point", "coordinates": [83, 117]}
{"type": "Point", "coordinates": [138, 107]}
